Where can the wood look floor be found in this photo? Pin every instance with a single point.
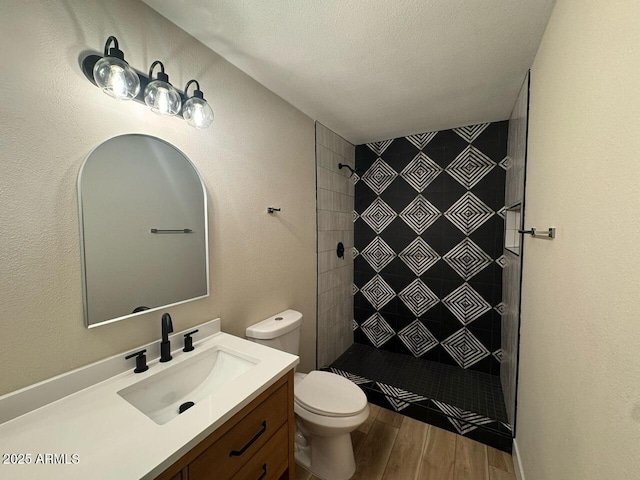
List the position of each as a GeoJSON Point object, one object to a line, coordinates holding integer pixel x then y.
{"type": "Point", "coordinates": [390, 446]}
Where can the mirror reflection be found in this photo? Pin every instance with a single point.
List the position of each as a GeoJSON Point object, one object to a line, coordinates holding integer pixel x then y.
{"type": "Point", "coordinates": [143, 223]}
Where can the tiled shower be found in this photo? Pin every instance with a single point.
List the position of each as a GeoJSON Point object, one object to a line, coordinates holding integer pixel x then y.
{"type": "Point", "coordinates": [334, 204]}
{"type": "Point", "coordinates": [429, 233]}
{"type": "Point", "coordinates": [428, 258]}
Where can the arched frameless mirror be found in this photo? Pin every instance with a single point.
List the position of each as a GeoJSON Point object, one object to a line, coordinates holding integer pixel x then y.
{"type": "Point", "coordinates": [143, 229]}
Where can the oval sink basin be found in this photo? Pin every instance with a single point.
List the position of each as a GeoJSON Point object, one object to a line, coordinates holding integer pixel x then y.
{"type": "Point", "coordinates": [160, 396]}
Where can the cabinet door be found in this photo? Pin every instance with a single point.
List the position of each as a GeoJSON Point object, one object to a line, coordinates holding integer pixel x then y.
{"type": "Point", "coordinates": [270, 462]}
{"type": "Point", "coordinates": [175, 476]}
{"type": "Point", "coordinates": [233, 450]}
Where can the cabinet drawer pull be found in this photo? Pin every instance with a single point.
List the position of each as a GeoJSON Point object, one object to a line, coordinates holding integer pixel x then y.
{"type": "Point", "coordinates": [237, 453]}
{"type": "Point", "coordinates": [264, 472]}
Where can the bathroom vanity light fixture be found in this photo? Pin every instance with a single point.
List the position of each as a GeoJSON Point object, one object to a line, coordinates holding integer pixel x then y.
{"type": "Point", "coordinates": [115, 77]}
{"type": "Point", "coordinates": [159, 94]}
{"type": "Point", "coordinates": [196, 111]}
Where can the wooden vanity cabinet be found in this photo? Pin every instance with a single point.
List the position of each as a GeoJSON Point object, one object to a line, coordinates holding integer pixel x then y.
{"type": "Point", "coordinates": [255, 444]}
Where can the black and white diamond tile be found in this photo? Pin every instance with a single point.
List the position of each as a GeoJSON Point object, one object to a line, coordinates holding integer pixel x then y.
{"type": "Point", "coordinates": [377, 330]}
{"type": "Point", "coordinates": [419, 256]}
{"type": "Point", "coordinates": [378, 215]}
{"type": "Point", "coordinates": [378, 292]}
{"type": "Point", "coordinates": [498, 355]}
{"type": "Point", "coordinates": [399, 398]}
{"type": "Point", "coordinates": [430, 392]}
{"type": "Point", "coordinates": [417, 338]}
{"type": "Point", "coordinates": [471, 132]}
{"type": "Point", "coordinates": [468, 213]}
{"type": "Point", "coordinates": [447, 211]}
{"type": "Point", "coordinates": [378, 254]}
{"type": "Point", "coordinates": [354, 325]}
{"type": "Point", "coordinates": [465, 348]}
{"type": "Point", "coordinates": [357, 379]}
{"type": "Point", "coordinates": [470, 167]}
{"type": "Point", "coordinates": [379, 176]}
{"type": "Point", "coordinates": [466, 304]}
{"type": "Point", "coordinates": [421, 140]}
{"type": "Point", "coordinates": [467, 258]}
{"type": "Point", "coordinates": [505, 163]}
{"type": "Point", "coordinates": [463, 421]}
{"type": "Point", "coordinates": [379, 147]}
{"type": "Point", "coordinates": [354, 289]}
{"type": "Point", "coordinates": [418, 297]}
{"type": "Point", "coordinates": [420, 172]}
{"type": "Point", "coordinates": [420, 214]}
{"type": "Point", "coordinates": [500, 308]}
{"type": "Point", "coordinates": [355, 252]}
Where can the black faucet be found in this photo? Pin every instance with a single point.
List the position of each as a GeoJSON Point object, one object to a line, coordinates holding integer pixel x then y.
{"type": "Point", "coordinates": [165, 345]}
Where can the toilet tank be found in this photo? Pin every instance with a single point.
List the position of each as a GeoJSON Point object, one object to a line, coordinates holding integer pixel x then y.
{"type": "Point", "coordinates": [280, 331]}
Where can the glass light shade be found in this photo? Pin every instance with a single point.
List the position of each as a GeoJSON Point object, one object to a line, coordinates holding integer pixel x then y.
{"type": "Point", "coordinates": [162, 98]}
{"type": "Point", "coordinates": [197, 112]}
{"type": "Point", "coordinates": [116, 78]}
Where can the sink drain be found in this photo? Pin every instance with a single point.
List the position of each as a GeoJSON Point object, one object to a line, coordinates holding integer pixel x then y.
{"type": "Point", "coordinates": [185, 406]}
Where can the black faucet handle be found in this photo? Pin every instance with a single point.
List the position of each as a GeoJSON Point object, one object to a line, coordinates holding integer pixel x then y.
{"type": "Point", "coordinates": [141, 361]}
{"type": "Point", "coordinates": [188, 341]}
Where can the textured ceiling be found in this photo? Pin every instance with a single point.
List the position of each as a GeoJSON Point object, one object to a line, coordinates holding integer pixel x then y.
{"type": "Point", "coordinates": [376, 69]}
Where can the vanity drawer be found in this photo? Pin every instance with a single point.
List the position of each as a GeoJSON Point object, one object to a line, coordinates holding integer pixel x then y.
{"type": "Point", "coordinates": [235, 448]}
{"type": "Point", "coordinates": [269, 462]}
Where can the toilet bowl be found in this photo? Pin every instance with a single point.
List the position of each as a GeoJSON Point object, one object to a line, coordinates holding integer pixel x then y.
{"type": "Point", "coordinates": [327, 407]}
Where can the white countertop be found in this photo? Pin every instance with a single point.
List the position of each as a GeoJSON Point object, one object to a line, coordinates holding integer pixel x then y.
{"type": "Point", "coordinates": [114, 440]}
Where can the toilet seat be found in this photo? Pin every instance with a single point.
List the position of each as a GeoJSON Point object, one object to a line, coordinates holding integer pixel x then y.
{"type": "Point", "coordinates": [329, 395]}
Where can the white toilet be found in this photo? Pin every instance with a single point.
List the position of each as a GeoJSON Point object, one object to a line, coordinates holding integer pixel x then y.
{"type": "Point", "coordinates": [328, 407]}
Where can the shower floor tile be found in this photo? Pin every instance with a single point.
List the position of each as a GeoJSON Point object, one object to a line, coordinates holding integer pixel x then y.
{"type": "Point", "coordinates": [472, 391]}
{"type": "Point", "coordinates": [462, 401]}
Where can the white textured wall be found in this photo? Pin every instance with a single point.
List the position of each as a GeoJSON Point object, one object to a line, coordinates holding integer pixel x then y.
{"type": "Point", "coordinates": [579, 395]}
{"type": "Point", "coordinates": [259, 152]}
{"type": "Point", "coordinates": [335, 224]}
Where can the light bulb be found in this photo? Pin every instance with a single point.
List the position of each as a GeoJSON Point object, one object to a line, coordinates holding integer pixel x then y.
{"type": "Point", "coordinates": [162, 98]}
{"type": "Point", "coordinates": [118, 82]}
{"type": "Point", "coordinates": [198, 115]}
{"type": "Point", "coordinates": [116, 78]}
{"type": "Point", "coordinates": [161, 104]}
{"type": "Point", "coordinates": [197, 112]}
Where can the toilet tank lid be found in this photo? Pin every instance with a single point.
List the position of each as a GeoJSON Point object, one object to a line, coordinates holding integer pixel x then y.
{"type": "Point", "coordinates": [276, 325]}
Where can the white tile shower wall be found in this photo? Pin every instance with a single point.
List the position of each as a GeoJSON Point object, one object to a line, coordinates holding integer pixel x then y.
{"type": "Point", "coordinates": [335, 224]}
{"type": "Point", "coordinates": [514, 193]}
